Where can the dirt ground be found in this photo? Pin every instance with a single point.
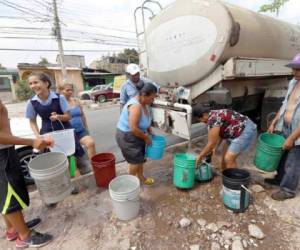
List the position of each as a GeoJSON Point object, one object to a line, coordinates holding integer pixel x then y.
{"type": "Point", "coordinates": [87, 221]}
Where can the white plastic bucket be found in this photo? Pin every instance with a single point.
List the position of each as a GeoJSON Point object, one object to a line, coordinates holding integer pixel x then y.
{"type": "Point", "coordinates": [50, 172]}
{"type": "Point", "coordinates": [124, 191]}
{"type": "Point", "coordinates": [64, 141]}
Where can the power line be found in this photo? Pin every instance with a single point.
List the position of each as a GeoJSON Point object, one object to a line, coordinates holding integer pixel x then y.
{"type": "Point", "coordinates": [55, 50]}
{"type": "Point", "coordinates": [21, 8]}
{"type": "Point", "coordinates": [95, 41]}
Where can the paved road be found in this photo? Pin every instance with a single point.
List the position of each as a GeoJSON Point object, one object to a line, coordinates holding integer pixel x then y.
{"type": "Point", "coordinates": [102, 125]}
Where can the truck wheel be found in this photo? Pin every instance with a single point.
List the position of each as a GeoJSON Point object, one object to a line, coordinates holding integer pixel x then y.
{"type": "Point", "coordinates": [101, 98]}
{"type": "Point", "coordinates": [25, 156]}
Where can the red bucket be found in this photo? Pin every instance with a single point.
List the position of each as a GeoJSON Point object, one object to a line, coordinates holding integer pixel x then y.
{"type": "Point", "coordinates": [104, 168]}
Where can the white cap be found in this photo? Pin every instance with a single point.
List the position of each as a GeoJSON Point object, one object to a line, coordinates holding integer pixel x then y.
{"type": "Point", "coordinates": [132, 69]}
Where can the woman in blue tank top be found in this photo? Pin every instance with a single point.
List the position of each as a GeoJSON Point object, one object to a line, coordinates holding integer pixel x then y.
{"type": "Point", "coordinates": [134, 130]}
{"type": "Point", "coordinates": [78, 120]}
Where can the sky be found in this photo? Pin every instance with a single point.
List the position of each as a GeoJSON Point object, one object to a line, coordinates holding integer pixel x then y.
{"type": "Point", "coordinates": [106, 26]}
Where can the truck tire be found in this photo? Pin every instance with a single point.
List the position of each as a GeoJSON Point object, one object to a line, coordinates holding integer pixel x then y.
{"type": "Point", "coordinates": [25, 156]}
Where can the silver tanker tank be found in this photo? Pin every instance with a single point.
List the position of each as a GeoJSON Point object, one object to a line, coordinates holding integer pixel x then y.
{"type": "Point", "coordinates": [190, 38]}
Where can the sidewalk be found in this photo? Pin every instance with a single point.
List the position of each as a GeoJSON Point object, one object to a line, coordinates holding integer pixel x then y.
{"type": "Point", "coordinates": [86, 221]}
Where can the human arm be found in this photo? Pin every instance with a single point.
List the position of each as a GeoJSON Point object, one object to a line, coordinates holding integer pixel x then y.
{"type": "Point", "coordinates": [34, 127]}
{"type": "Point", "coordinates": [134, 118]}
{"type": "Point", "coordinates": [123, 96]}
{"type": "Point", "coordinates": [271, 128]}
{"type": "Point", "coordinates": [66, 116]}
{"type": "Point", "coordinates": [83, 117]}
{"type": "Point", "coordinates": [213, 140]}
{"type": "Point", "coordinates": [290, 141]}
{"type": "Point", "coordinates": [8, 139]}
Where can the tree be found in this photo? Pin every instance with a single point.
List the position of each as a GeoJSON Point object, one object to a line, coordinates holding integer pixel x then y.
{"type": "Point", "coordinates": [23, 90]}
{"type": "Point", "coordinates": [43, 61]}
{"type": "Point", "coordinates": [127, 56]}
{"type": "Point", "coordinates": [274, 6]}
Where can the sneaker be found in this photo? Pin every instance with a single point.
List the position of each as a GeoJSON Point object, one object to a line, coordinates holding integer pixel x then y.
{"type": "Point", "coordinates": [30, 224]}
{"type": "Point", "coordinates": [281, 196]}
{"type": "Point", "coordinates": [272, 181]}
{"type": "Point", "coordinates": [75, 190]}
{"type": "Point", "coordinates": [35, 239]}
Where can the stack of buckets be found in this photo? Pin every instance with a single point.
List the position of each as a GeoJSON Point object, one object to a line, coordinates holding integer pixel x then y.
{"type": "Point", "coordinates": [268, 151]}
{"type": "Point", "coordinates": [50, 172]}
{"type": "Point", "coordinates": [235, 189]}
{"type": "Point", "coordinates": [104, 168]}
{"type": "Point", "coordinates": [124, 191]}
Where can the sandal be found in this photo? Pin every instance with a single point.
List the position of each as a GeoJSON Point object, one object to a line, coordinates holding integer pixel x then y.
{"type": "Point", "coordinates": [149, 181]}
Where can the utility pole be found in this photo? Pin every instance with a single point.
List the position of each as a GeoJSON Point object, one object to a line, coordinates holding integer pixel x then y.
{"type": "Point", "coordinates": [57, 33]}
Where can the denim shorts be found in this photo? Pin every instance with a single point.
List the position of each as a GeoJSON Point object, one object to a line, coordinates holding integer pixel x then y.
{"type": "Point", "coordinates": [82, 133]}
{"type": "Point", "coordinates": [245, 140]}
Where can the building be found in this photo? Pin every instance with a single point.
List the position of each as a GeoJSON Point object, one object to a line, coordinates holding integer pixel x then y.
{"type": "Point", "coordinates": [72, 61]}
{"type": "Point", "coordinates": [8, 80]}
{"type": "Point", "coordinates": [54, 71]}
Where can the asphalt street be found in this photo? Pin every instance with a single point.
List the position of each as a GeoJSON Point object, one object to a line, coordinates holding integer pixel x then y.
{"type": "Point", "coordinates": [102, 126]}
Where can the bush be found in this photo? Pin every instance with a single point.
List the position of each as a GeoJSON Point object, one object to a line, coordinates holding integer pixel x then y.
{"type": "Point", "coordinates": [23, 90]}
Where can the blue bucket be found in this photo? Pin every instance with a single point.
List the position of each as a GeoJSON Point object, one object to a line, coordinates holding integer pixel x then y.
{"type": "Point", "coordinates": [156, 150]}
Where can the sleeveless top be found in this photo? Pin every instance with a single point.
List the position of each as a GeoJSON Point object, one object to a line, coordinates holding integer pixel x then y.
{"type": "Point", "coordinates": [144, 122]}
{"type": "Point", "coordinates": [76, 120]}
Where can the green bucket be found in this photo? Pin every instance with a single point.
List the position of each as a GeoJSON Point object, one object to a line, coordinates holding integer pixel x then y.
{"type": "Point", "coordinates": [204, 172]}
{"type": "Point", "coordinates": [268, 151]}
{"type": "Point", "coordinates": [184, 170]}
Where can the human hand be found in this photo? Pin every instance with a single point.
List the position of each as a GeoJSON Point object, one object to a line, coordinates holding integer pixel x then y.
{"type": "Point", "coordinates": [40, 144]}
{"type": "Point", "coordinates": [148, 140]}
{"type": "Point", "coordinates": [271, 128]}
{"type": "Point", "coordinates": [288, 144]}
{"type": "Point", "coordinates": [54, 116]}
{"type": "Point", "coordinates": [198, 161]}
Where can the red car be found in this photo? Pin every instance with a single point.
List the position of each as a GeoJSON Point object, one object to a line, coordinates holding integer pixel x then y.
{"type": "Point", "coordinates": [104, 95]}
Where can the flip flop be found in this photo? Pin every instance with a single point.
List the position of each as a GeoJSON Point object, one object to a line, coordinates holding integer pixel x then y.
{"type": "Point", "coordinates": [149, 181]}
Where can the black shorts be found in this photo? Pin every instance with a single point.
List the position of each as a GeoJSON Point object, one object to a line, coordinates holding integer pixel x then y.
{"type": "Point", "coordinates": [13, 192]}
{"type": "Point", "coordinates": [132, 147]}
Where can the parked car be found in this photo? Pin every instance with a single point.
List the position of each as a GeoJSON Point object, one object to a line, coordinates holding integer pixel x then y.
{"type": "Point", "coordinates": [105, 94]}
{"type": "Point", "coordinates": [86, 94]}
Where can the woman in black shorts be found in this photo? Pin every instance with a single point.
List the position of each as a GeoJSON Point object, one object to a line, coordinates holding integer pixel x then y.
{"type": "Point", "coordinates": [134, 129]}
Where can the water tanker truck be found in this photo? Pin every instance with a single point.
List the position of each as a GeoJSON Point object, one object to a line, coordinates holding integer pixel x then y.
{"type": "Point", "coordinates": [213, 52]}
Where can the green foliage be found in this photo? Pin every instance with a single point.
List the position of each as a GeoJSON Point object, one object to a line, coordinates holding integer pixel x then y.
{"type": "Point", "coordinates": [274, 6]}
{"type": "Point", "coordinates": [23, 91]}
{"type": "Point", "coordinates": [127, 56]}
{"type": "Point", "coordinates": [43, 61]}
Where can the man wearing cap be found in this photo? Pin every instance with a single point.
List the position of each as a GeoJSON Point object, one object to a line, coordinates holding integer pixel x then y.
{"type": "Point", "coordinates": [129, 88]}
{"type": "Point", "coordinates": [287, 121]}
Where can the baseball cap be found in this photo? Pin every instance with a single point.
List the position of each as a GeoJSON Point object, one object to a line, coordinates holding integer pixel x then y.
{"type": "Point", "coordinates": [295, 64]}
{"type": "Point", "coordinates": [132, 69]}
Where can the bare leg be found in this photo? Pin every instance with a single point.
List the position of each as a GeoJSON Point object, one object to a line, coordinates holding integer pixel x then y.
{"type": "Point", "coordinates": [16, 219]}
{"type": "Point", "coordinates": [89, 143]}
{"type": "Point", "coordinates": [141, 173]}
{"type": "Point", "coordinates": [230, 159]}
{"type": "Point", "coordinates": [9, 226]}
{"type": "Point", "coordinates": [134, 169]}
{"type": "Point", "coordinates": [224, 150]}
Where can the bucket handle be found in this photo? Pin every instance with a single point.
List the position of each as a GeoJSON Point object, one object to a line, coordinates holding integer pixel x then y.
{"type": "Point", "coordinates": [243, 195]}
{"type": "Point", "coordinates": [60, 124]}
{"type": "Point", "coordinates": [184, 176]}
